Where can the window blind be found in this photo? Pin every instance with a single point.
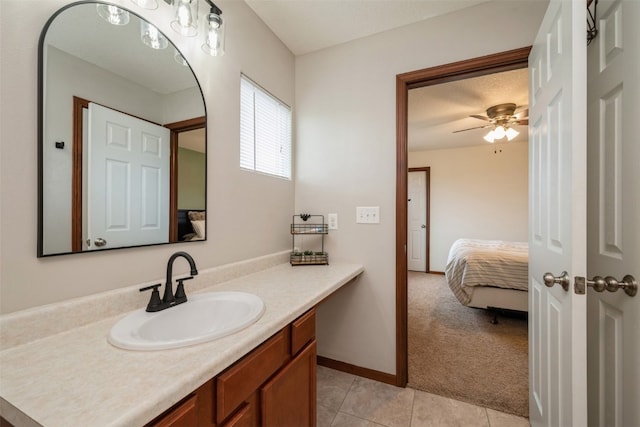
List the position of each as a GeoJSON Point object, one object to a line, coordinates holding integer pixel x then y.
{"type": "Point", "coordinates": [265, 131]}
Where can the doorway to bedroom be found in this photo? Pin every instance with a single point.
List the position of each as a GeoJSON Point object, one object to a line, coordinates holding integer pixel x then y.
{"type": "Point", "coordinates": [478, 191]}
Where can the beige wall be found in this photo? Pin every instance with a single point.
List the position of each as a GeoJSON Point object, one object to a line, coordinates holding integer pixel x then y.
{"type": "Point", "coordinates": [346, 155]}
{"type": "Point", "coordinates": [191, 178]}
{"type": "Point", "coordinates": [476, 193]}
{"type": "Point", "coordinates": [248, 213]}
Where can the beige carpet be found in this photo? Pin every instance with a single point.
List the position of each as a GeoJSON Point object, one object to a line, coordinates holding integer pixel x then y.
{"type": "Point", "coordinates": [455, 351]}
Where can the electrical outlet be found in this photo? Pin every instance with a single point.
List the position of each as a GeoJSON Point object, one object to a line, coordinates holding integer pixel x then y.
{"type": "Point", "coordinates": [368, 215]}
{"type": "Point", "coordinates": [333, 221]}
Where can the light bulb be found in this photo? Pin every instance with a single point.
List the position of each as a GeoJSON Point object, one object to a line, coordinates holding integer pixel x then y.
{"type": "Point", "coordinates": [183, 15]}
{"type": "Point", "coordinates": [112, 14]}
{"type": "Point", "coordinates": [489, 137]}
{"type": "Point", "coordinates": [146, 4]}
{"type": "Point", "coordinates": [152, 37]}
{"type": "Point", "coordinates": [214, 37]}
{"type": "Point", "coordinates": [499, 132]}
{"type": "Point", "coordinates": [186, 17]}
{"type": "Point", "coordinates": [511, 133]}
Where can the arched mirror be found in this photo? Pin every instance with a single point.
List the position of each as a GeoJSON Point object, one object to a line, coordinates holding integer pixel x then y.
{"type": "Point", "coordinates": [122, 135]}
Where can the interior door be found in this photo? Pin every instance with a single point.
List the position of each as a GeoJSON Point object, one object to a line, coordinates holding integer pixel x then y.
{"type": "Point", "coordinates": [613, 214]}
{"type": "Point", "coordinates": [417, 220]}
{"type": "Point", "coordinates": [128, 180]}
{"type": "Point", "coordinates": [557, 217]}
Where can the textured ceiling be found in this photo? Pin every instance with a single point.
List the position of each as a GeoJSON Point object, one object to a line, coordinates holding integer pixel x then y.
{"type": "Point", "coordinates": [436, 111]}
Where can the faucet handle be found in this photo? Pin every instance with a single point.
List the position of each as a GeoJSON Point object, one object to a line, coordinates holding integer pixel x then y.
{"type": "Point", "coordinates": [155, 302]}
{"type": "Point", "coordinates": [181, 296]}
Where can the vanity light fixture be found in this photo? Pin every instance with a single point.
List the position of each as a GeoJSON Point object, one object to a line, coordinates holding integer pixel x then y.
{"type": "Point", "coordinates": [152, 37]}
{"type": "Point", "coordinates": [146, 4]}
{"type": "Point", "coordinates": [214, 31]}
{"type": "Point", "coordinates": [113, 14]}
{"type": "Point", "coordinates": [186, 17]}
{"type": "Point", "coordinates": [180, 59]}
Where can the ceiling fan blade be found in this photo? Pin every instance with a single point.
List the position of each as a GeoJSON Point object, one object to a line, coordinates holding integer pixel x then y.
{"type": "Point", "coordinates": [477, 127]}
{"type": "Point", "coordinates": [522, 114]}
{"type": "Point", "coordinates": [524, 122]}
{"type": "Point", "coordinates": [477, 116]}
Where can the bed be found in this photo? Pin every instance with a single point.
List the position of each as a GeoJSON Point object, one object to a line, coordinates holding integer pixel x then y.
{"type": "Point", "coordinates": [191, 225]}
{"type": "Point", "coordinates": [491, 274]}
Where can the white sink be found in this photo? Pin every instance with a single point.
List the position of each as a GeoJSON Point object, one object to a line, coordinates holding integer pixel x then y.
{"type": "Point", "coordinates": [204, 317]}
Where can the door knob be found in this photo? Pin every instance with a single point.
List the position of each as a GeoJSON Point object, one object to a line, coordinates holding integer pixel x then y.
{"type": "Point", "coordinates": [423, 226]}
{"type": "Point", "coordinates": [100, 242]}
{"type": "Point", "coordinates": [628, 283]}
{"type": "Point", "coordinates": [563, 280]}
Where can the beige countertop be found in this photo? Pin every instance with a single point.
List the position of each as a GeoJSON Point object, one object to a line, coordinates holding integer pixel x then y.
{"type": "Point", "coordinates": [76, 377]}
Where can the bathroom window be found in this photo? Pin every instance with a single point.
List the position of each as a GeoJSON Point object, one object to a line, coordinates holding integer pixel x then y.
{"type": "Point", "coordinates": [265, 131]}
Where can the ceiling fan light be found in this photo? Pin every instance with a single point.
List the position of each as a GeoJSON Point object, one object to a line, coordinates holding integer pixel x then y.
{"type": "Point", "coordinates": [512, 133]}
{"type": "Point", "coordinates": [489, 137]}
{"type": "Point", "coordinates": [499, 132]}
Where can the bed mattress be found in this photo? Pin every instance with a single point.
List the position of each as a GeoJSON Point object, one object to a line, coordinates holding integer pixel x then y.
{"type": "Point", "coordinates": [494, 263]}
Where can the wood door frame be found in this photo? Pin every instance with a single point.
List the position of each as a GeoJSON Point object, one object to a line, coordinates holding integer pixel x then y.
{"type": "Point", "coordinates": [79, 105]}
{"type": "Point", "coordinates": [176, 128]}
{"type": "Point", "coordinates": [504, 61]}
{"type": "Point", "coordinates": [427, 184]}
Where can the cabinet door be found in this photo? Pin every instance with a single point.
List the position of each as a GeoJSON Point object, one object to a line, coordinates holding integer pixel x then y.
{"type": "Point", "coordinates": [289, 398]}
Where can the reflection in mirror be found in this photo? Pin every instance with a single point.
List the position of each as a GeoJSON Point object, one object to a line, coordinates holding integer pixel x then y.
{"type": "Point", "coordinates": [122, 135]}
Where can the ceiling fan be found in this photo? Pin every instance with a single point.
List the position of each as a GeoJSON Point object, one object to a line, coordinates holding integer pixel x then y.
{"type": "Point", "coordinates": [501, 118]}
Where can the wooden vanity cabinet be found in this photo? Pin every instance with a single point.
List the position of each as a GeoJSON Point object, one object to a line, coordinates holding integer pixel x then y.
{"type": "Point", "coordinates": [273, 385]}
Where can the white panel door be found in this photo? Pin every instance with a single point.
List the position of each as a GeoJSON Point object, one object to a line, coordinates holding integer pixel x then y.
{"type": "Point", "coordinates": [128, 180]}
{"type": "Point", "coordinates": [417, 191]}
{"type": "Point", "coordinates": [557, 216]}
{"type": "Point", "coordinates": [613, 214]}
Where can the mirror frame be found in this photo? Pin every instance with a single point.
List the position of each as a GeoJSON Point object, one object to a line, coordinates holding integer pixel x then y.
{"type": "Point", "coordinates": [181, 126]}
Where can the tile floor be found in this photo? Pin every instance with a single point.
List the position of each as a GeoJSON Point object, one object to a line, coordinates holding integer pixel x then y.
{"type": "Point", "coordinates": [349, 400]}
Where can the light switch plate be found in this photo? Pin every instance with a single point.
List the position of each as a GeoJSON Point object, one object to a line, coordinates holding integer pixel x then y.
{"type": "Point", "coordinates": [368, 214]}
{"type": "Point", "coordinates": [333, 221]}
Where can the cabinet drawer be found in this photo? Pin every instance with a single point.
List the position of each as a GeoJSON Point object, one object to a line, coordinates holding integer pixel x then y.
{"type": "Point", "coordinates": [243, 418]}
{"type": "Point", "coordinates": [183, 415]}
{"type": "Point", "coordinates": [238, 382]}
{"type": "Point", "coordinates": [303, 330]}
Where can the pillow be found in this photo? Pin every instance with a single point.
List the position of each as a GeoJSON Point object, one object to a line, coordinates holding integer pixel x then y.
{"type": "Point", "coordinates": [199, 228]}
{"type": "Point", "coordinates": [196, 215]}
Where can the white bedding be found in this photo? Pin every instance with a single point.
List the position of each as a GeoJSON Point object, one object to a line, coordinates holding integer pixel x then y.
{"type": "Point", "coordinates": [494, 263]}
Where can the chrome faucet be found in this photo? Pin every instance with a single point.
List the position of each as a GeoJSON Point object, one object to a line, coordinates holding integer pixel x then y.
{"type": "Point", "coordinates": [169, 299]}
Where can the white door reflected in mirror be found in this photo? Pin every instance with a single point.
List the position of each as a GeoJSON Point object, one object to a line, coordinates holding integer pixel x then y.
{"type": "Point", "coordinates": [128, 179]}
